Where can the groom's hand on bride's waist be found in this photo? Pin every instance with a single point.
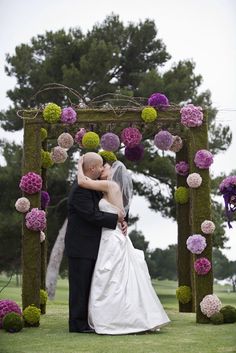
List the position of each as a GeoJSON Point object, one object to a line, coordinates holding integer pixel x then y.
{"type": "Point", "coordinates": [124, 227]}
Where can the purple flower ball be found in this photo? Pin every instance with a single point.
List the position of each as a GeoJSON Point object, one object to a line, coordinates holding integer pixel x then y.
{"type": "Point", "coordinates": [68, 115]}
{"type": "Point", "coordinates": [191, 116]}
{"type": "Point", "coordinates": [36, 220]}
{"type": "Point", "coordinates": [203, 159]}
{"type": "Point", "coordinates": [45, 199]}
{"type": "Point", "coordinates": [31, 183]}
{"type": "Point", "coordinates": [134, 154]}
{"type": "Point", "coordinates": [158, 100]}
{"type": "Point", "coordinates": [202, 266]}
{"type": "Point", "coordinates": [228, 184]}
{"type": "Point", "coordinates": [6, 307]}
{"type": "Point", "coordinates": [79, 136]}
{"type": "Point", "coordinates": [110, 142]}
{"type": "Point", "coordinates": [163, 140]}
{"type": "Point", "coordinates": [131, 136]}
{"type": "Point", "coordinates": [196, 243]}
{"type": "Point", "coordinates": [182, 168]}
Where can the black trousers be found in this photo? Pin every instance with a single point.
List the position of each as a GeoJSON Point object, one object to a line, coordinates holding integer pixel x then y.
{"type": "Point", "coordinates": [80, 276]}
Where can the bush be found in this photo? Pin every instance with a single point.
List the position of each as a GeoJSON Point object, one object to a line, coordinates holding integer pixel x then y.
{"type": "Point", "coordinates": [229, 313]}
{"type": "Point", "coordinates": [217, 318]}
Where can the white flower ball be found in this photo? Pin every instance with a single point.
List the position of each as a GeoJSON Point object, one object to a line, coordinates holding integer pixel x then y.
{"type": "Point", "coordinates": [210, 305]}
{"type": "Point", "coordinates": [65, 140]}
{"type": "Point", "coordinates": [22, 205]}
{"type": "Point", "coordinates": [42, 236]}
{"type": "Point", "coordinates": [208, 227]}
{"type": "Point", "coordinates": [194, 180]}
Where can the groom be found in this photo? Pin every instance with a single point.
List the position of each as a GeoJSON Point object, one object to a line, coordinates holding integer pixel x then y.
{"type": "Point", "coordinates": [82, 239]}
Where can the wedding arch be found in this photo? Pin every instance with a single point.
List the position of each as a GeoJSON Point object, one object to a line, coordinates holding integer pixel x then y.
{"type": "Point", "coordinates": [190, 215]}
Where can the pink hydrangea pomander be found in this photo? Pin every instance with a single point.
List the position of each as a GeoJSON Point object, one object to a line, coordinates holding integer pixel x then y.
{"type": "Point", "coordinates": [65, 140]}
{"type": "Point", "coordinates": [158, 100]}
{"type": "Point", "coordinates": [79, 136]}
{"type": "Point", "coordinates": [22, 205]}
{"type": "Point", "coordinates": [194, 180]}
{"type": "Point", "coordinates": [6, 307]}
{"type": "Point", "coordinates": [134, 154]}
{"type": "Point", "coordinates": [191, 116]}
{"type": "Point", "coordinates": [196, 243]}
{"type": "Point", "coordinates": [36, 220]}
{"type": "Point", "coordinates": [182, 168]}
{"type": "Point", "coordinates": [208, 227]}
{"type": "Point", "coordinates": [68, 115]}
{"type": "Point", "coordinates": [202, 266]}
{"type": "Point", "coordinates": [110, 142]}
{"type": "Point", "coordinates": [31, 183]}
{"type": "Point", "coordinates": [163, 140]}
{"type": "Point", "coordinates": [177, 144]}
{"type": "Point", "coordinates": [59, 154]}
{"type": "Point", "coordinates": [210, 305]}
{"type": "Point", "coordinates": [131, 136]}
{"type": "Point", "coordinates": [203, 159]}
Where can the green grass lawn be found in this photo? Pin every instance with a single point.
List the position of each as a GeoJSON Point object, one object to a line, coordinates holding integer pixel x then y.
{"type": "Point", "coordinates": [182, 335]}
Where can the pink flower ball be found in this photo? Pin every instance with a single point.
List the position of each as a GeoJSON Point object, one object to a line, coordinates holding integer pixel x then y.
{"type": "Point", "coordinates": [110, 142]}
{"type": "Point", "coordinates": [36, 220]}
{"type": "Point", "coordinates": [68, 115]}
{"type": "Point", "coordinates": [210, 305]}
{"type": "Point", "coordinates": [191, 116]}
{"type": "Point", "coordinates": [182, 168]}
{"type": "Point", "coordinates": [79, 136]}
{"type": "Point", "coordinates": [6, 307]}
{"type": "Point", "coordinates": [202, 266]}
{"type": "Point", "coordinates": [196, 243]}
{"type": "Point", "coordinates": [59, 154]}
{"type": "Point", "coordinates": [65, 140]}
{"type": "Point", "coordinates": [177, 144]}
{"type": "Point", "coordinates": [42, 236]}
{"type": "Point", "coordinates": [31, 183]}
{"type": "Point", "coordinates": [208, 227]}
{"type": "Point", "coordinates": [163, 140]}
{"type": "Point", "coordinates": [134, 154]}
{"type": "Point", "coordinates": [203, 159]}
{"type": "Point", "coordinates": [194, 180]}
{"type": "Point", "coordinates": [131, 136]}
{"type": "Point", "coordinates": [22, 205]}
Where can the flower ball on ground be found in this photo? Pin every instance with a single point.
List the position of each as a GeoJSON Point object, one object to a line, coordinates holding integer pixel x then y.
{"type": "Point", "coordinates": [182, 168]}
{"type": "Point", "coordinates": [108, 156]}
{"type": "Point", "coordinates": [191, 116]}
{"type": "Point", "coordinates": [134, 154]}
{"type": "Point", "coordinates": [210, 305]}
{"type": "Point", "coordinates": [208, 227]}
{"type": "Point", "coordinates": [149, 114]}
{"type": "Point", "coordinates": [203, 159]}
{"type": "Point", "coordinates": [194, 180]}
{"type": "Point", "coordinates": [12, 322]}
{"type": "Point", "coordinates": [59, 154]}
{"type": "Point", "coordinates": [181, 195]}
{"type": "Point", "coordinates": [177, 144]}
{"type": "Point", "coordinates": [202, 266]}
{"type": "Point", "coordinates": [79, 136]}
{"type": "Point", "coordinates": [52, 113]}
{"type": "Point", "coordinates": [68, 115]}
{"type": "Point", "coordinates": [196, 243]}
{"type": "Point", "coordinates": [65, 140]}
{"type": "Point", "coordinates": [184, 294]}
{"type": "Point", "coordinates": [90, 140]}
{"type": "Point", "coordinates": [31, 315]}
{"type": "Point", "coordinates": [22, 205]}
{"type": "Point", "coordinates": [163, 140]}
{"type": "Point", "coordinates": [229, 314]}
{"type": "Point", "coordinates": [217, 318]}
{"type": "Point", "coordinates": [158, 100]}
{"type": "Point", "coordinates": [36, 219]}
{"type": "Point", "coordinates": [131, 136]}
{"type": "Point", "coordinates": [6, 307]}
{"type": "Point", "coordinates": [110, 142]}
{"type": "Point", "coordinates": [31, 183]}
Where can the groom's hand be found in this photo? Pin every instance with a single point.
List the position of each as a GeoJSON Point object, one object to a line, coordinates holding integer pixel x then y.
{"type": "Point", "coordinates": [120, 216]}
{"type": "Point", "coordinates": [124, 227]}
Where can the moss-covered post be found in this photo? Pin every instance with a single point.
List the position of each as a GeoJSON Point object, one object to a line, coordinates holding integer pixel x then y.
{"type": "Point", "coordinates": [200, 211]}
{"type": "Point", "coordinates": [31, 258]}
{"type": "Point", "coordinates": [184, 230]}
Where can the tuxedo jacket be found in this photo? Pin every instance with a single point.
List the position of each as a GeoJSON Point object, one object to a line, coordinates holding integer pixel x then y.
{"type": "Point", "coordinates": [85, 222]}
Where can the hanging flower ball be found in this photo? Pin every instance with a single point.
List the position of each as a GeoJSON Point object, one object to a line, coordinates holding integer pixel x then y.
{"type": "Point", "coordinates": [109, 156]}
{"type": "Point", "coordinates": [36, 220]}
{"type": "Point", "coordinates": [90, 140]}
{"type": "Point", "coordinates": [31, 315]}
{"type": "Point", "coordinates": [196, 243]}
{"type": "Point", "coordinates": [158, 100]}
{"type": "Point", "coordinates": [181, 195]}
{"type": "Point", "coordinates": [110, 142]}
{"type": "Point", "coordinates": [12, 322]}
{"type": "Point", "coordinates": [43, 133]}
{"type": "Point", "coordinates": [182, 168]}
{"type": "Point", "coordinates": [203, 159]}
{"type": "Point", "coordinates": [208, 227]}
{"type": "Point", "coordinates": [134, 154]}
{"type": "Point", "coordinates": [229, 183]}
{"type": "Point", "coordinates": [8, 306]}
{"type": "Point", "coordinates": [65, 140]}
{"type": "Point", "coordinates": [43, 297]}
{"type": "Point", "coordinates": [202, 266]}
{"type": "Point", "coordinates": [59, 154]}
{"type": "Point", "coordinates": [194, 180]}
{"type": "Point", "coordinates": [68, 115]}
{"type": "Point", "coordinates": [46, 159]}
{"type": "Point", "coordinates": [42, 236]}
{"type": "Point", "coordinates": [79, 136]}
{"type": "Point", "coordinates": [22, 205]}
{"type": "Point", "coordinates": [31, 183]}
{"type": "Point", "coordinates": [52, 113]}
{"type": "Point", "coordinates": [163, 140]}
{"type": "Point", "coordinates": [210, 305]}
{"type": "Point", "coordinates": [45, 199]}
{"type": "Point", "coordinates": [191, 116]}
{"type": "Point", "coordinates": [149, 114]}
{"type": "Point", "coordinates": [184, 294]}
{"type": "Point", "coordinates": [177, 144]}
{"type": "Point", "coordinates": [131, 136]}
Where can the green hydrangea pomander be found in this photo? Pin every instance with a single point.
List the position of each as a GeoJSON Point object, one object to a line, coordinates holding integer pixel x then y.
{"type": "Point", "coordinates": [43, 133]}
{"type": "Point", "coordinates": [229, 313]}
{"type": "Point", "coordinates": [31, 315]}
{"type": "Point", "coordinates": [46, 159]}
{"type": "Point", "coordinates": [149, 114]}
{"type": "Point", "coordinates": [43, 297]}
{"type": "Point", "coordinates": [184, 294]}
{"type": "Point", "coordinates": [12, 322]}
{"type": "Point", "coordinates": [52, 113]}
{"type": "Point", "coordinates": [217, 318]}
{"type": "Point", "coordinates": [90, 140]}
{"type": "Point", "coordinates": [181, 194]}
{"type": "Point", "coordinates": [109, 156]}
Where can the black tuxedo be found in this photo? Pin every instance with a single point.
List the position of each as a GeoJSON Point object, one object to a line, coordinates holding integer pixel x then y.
{"type": "Point", "coordinates": [82, 239]}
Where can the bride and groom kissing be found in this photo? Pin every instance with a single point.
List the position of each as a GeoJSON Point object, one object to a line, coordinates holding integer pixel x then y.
{"type": "Point", "coordinates": [110, 290]}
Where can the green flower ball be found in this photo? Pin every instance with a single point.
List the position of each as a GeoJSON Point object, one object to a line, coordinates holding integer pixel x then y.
{"type": "Point", "coordinates": [43, 296]}
{"type": "Point", "coordinates": [149, 114]}
{"type": "Point", "coordinates": [52, 113]}
{"type": "Point", "coordinates": [184, 294]}
{"type": "Point", "coordinates": [229, 313]}
{"type": "Point", "coordinates": [217, 318]}
{"type": "Point", "coordinates": [109, 156]}
{"type": "Point", "coordinates": [46, 159]}
{"type": "Point", "coordinates": [12, 322]}
{"type": "Point", "coordinates": [181, 195]}
{"type": "Point", "coordinates": [44, 134]}
{"type": "Point", "coordinates": [31, 314]}
{"type": "Point", "coordinates": [90, 140]}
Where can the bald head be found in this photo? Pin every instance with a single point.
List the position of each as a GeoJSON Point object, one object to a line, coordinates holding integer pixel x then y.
{"type": "Point", "coordinates": [93, 164]}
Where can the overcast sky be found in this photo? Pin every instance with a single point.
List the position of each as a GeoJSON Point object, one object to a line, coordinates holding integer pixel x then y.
{"type": "Point", "coordinates": [202, 30]}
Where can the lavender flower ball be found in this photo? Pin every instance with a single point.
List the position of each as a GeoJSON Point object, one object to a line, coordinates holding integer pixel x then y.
{"type": "Point", "coordinates": [110, 142]}
{"type": "Point", "coordinates": [158, 100]}
{"type": "Point", "coordinates": [191, 116]}
{"type": "Point", "coordinates": [36, 220]}
{"type": "Point", "coordinates": [22, 205]}
{"type": "Point", "coordinates": [202, 266]}
{"type": "Point", "coordinates": [182, 168]}
{"type": "Point", "coordinates": [79, 136]}
{"type": "Point", "coordinates": [134, 154]}
{"type": "Point", "coordinates": [45, 199]}
{"type": "Point", "coordinates": [177, 144]}
{"type": "Point", "coordinates": [203, 159]}
{"type": "Point", "coordinates": [196, 243]}
{"type": "Point", "coordinates": [31, 183]}
{"type": "Point", "coordinates": [210, 305]}
{"type": "Point", "coordinates": [194, 180]}
{"type": "Point", "coordinates": [59, 154]}
{"type": "Point", "coordinates": [131, 136]}
{"type": "Point", "coordinates": [163, 140]}
{"type": "Point", "coordinates": [68, 115]}
{"type": "Point", "coordinates": [65, 140]}
{"type": "Point", "coordinates": [208, 227]}
{"type": "Point", "coordinates": [6, 307]}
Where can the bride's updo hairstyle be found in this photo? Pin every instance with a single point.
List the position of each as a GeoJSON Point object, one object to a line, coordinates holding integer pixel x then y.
{"type": "Point", "coordinates": [121, 176]}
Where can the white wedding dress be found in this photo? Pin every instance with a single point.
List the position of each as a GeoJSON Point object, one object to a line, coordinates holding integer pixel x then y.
{"type": "Point", "coordinates": [122, 299]}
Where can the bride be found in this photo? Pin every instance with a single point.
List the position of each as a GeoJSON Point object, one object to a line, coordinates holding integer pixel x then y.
{"type": "Point", "coordinates": [122, 299]}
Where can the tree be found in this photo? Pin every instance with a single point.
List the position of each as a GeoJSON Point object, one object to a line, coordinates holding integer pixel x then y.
{"type": "Point", "coordinates": [165, 263]}
{"type": "Point", "coordinates": [223, 268]}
